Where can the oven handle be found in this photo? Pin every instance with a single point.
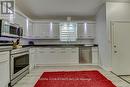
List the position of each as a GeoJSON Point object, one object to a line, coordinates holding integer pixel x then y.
{"type": "Point", "coordinates": [19, 54]}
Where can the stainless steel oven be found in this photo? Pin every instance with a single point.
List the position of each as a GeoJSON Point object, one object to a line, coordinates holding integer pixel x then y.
{"type": "Point", "coordinates": [19, 64]}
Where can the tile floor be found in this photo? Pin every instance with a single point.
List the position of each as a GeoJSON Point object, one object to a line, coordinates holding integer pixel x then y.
{"type": "Point", "coordinates": [30, 79]}
{"type": "Point", "coordinates": [127, 78]}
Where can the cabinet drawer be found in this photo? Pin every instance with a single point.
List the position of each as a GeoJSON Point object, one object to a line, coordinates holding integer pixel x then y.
{"type": "Point", "coordinates": [4, 56]}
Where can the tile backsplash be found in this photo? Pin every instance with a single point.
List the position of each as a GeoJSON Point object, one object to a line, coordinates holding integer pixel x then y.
{"type": "Point", "coordinates": [24, 41]}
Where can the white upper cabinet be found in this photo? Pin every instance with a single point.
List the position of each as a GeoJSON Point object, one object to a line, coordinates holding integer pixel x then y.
{"type": "Point", "coordinates": [50, 30]}
{"type": "Point", "coordinates": [86, 30]}
{"type": "Point", "coordinates": [80, 30]}
{"type": "Point", "coordinates": [22, 22]}
{"type": "Point", "coordinates": [55, 31]}
{"type": "Point", "coordinates": [91, 30]}
{"type": "Point", "coordinates": [41, 30]}
{"type": "Point", "coordinates": [45, 30]}
{"type": "Point", "coordinates": [30, 29]}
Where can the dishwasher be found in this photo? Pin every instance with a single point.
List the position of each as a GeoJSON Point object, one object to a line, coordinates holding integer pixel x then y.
{"type": "Point", "coordinates": [85, 55]}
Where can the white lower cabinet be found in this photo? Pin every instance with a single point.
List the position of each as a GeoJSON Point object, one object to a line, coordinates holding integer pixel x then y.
{"type": "Point", "coordinates": [95, 56]}
{"type": "Point", "coordinates": [32, 56]}
{"type": "Point", "coordinates": [4, 69]}
{"type": "Point", "coordinates": [57, 56]}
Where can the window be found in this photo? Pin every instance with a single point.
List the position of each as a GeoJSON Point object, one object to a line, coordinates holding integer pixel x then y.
{"type": "Point", "coordinates": [68, 31]}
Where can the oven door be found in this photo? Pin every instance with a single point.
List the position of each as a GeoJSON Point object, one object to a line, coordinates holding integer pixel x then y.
{"type": "Point", "coordinates": [19, 64]}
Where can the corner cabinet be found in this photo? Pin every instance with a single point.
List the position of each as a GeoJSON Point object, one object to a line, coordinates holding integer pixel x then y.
{"type": "Point", "coordinates": [86, 30]}
{"type": "Point", "coordinates": [4, 69]}
{"type": "Point", "coordinates": [22, 22]}
{"type": "Point", "coordinates": [45, 30]}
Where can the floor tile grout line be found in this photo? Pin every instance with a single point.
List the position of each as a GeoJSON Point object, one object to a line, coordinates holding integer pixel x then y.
{"type": "Point", "coordinates": [121, 78]}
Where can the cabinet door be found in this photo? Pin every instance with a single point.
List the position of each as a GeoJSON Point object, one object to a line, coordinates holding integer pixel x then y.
{"type": "Point", "coordinates": [22, 22]}
{"type": "Point", "coordinates": [4, 69]}
{"type": "Point", "coordinates": [41, 30]}
{"type": "Point", "coordinates": [91, 30]}
{"type": "Point", "coordinates": [68, 55]}
{"type": "Point", "coordinates": [95, 56]}
{"type": "Point", "coordinates": [43, 56]}
{"type": "Point", "coordinates": [80, 30]}
{"type": "Point", "coordinates": [32, 56]}
{"type": "Point", "coordinates": [57, 56]}
{"type": "Point", "coordinates": [53, 56]}
{"type": "Point", "coordinates": [73, 55]}
{"type": "Point", "coordinates": [16, 19]}
{"type": "Point", "coordinates": [36, 31]}
{"type": "Point", "coordinates": [46, 30]}
{"type": "Point", "coordinates": [30, 29]}
{"type": "Point", "coordinates": [55, 31]}
{"type": "Point", "coordinates": [86, 30]}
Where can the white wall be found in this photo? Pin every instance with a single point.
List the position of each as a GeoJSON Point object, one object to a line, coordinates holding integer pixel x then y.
{"type": "Point", "coordinates": [102, 36]}
{"type": "Point", "coordinates": [115, 11]}
{"type": "Point", "coordinates": [111, 11]}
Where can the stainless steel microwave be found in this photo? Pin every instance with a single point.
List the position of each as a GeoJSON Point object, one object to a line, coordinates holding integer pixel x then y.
{"type": "Point", "coordinates": [10, 30]}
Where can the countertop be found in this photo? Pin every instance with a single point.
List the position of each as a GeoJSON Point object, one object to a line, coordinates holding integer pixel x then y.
{"type": "Point", "coordinates": [5, 48]}
{"type": "Point", "coordinates": [60, 45]}
{"type": "Point", "coordinates": [9, 47]}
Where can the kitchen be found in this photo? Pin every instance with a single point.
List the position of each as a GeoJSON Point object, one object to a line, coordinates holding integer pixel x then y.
{"type": "Point", "coordinates": [37, 39]}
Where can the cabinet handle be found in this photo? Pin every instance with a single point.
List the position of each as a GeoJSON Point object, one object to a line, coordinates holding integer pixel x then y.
{"type": "Point", "coordinates": [52, 52]}
{"type": "Point", "coordinates": [63, 52]}
{"type": "Point", "coordinates": [3, 61]}
{"type": "Point", "coordinates": [89, 36]}
{"type": "Point", "coordinates": [73, 51]}
{"type": "Point", "coordinates": [46, 36]}
{"type": "Point", "coordinates": [80, 36]}
{"type": "Point", "coordinates": [41, 52]}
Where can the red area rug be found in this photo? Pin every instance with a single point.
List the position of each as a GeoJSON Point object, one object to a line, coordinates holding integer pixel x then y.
{"type": "Point", "coordinates": [73, 79]}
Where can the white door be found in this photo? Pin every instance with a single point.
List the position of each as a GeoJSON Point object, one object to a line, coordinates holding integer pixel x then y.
{"type": "Point", "coordinates": [121, 48]}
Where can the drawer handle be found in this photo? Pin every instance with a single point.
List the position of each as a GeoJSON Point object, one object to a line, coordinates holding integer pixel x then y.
{"type": "Point", "coordinates": [3, 61]}
{"type": "Point", "coordinates": [52, 52]}
{"type": "Point", "coordinates": [41, 52]}
{"type": "Point", "coordinates": [63, 52]}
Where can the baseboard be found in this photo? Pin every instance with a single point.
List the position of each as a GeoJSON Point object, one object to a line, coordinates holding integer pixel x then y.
{"type": "Point", "coordinates": [65, 64]}
{"type": "Point", "coordinates": [107, 68]}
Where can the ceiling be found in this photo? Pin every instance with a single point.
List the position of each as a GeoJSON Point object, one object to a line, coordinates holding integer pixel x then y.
{"type": "Point", "coordinates": [38, 9]}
